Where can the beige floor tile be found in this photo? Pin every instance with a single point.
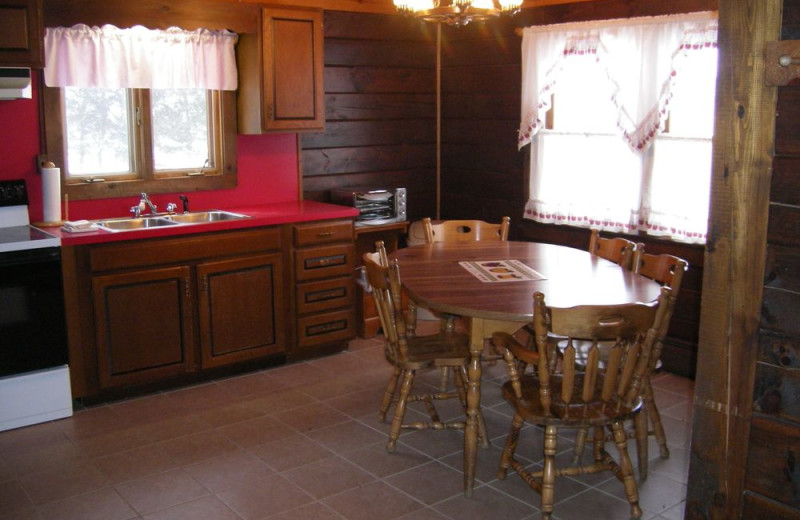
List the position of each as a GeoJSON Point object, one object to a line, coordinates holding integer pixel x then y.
{"type": "Point", "coordinates": [328, 477]}
{"type": "Point", "coordinates": [291, 452]}
{"type": "Point", "coordinates": [226, 471]}
{"type": "Point", "coordinates": [375, 500]}
{"type": "Point", "coordinates": [104, 504]}
{"type": "Point", "coordinates": [486, 502]}
{"type": "Point", "coordinates": [270, 496]}
{"type": "Point", "coordinates": [312, 417]}
{"type": "Point", "coordinates": [430, 483]}
{"type": "Point", "coordinates": [156, 492]}
{"type": "Point", "coordinates": [375, 459]}
{"type": "Point", "coordinates": [205, 508]}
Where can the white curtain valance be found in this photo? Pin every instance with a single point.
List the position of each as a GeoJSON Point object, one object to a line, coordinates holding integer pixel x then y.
{"type": "Point", "coordinates": [138, 57]}
{"type": "Point", "coordinates": [641, 57]}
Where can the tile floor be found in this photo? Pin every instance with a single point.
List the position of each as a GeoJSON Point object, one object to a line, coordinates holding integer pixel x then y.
{"type": "Point", "coordinates": [298, 442]}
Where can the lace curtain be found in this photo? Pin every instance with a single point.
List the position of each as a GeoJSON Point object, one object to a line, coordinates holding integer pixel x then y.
{"type": "Point", "coordinates": [633, 67]}
{"type": "Point", "coordinates": [137, 57]}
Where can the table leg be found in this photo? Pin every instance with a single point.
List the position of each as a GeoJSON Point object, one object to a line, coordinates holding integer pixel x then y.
{"type": "Point", "coordinates": [473, 404]}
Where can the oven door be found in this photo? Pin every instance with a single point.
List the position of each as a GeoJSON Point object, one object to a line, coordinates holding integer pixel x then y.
{"type": "Point", "coordinates": [32, 320]}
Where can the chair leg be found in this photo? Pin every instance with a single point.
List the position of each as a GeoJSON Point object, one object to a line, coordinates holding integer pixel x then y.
{"type": "Point", "coordinates": [400, 409]}
{"type": "Point", "coordinates": [655, 419]}
{"type": "Point", "coordinates": [510, 447]}
{"type": "Point", "coordinates": [388, 395]}
{"type": "Point", "coordinates": [444, 376]}
{"type": "Point", "coordinates": [580, 443]}
{"type": "Point", "coordinates": [642, 451]}
{"type": "Point", "coordinates": [625, 468]}
{"type": "Point", "coordinates": [549, 471]}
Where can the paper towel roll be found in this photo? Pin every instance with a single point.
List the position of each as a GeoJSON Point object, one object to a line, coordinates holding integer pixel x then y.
{"type": "Point", "coordinates": [51, 194]}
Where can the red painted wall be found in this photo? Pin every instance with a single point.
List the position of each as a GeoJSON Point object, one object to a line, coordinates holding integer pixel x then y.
{"type": "Point", "coordinates": [267, 169]}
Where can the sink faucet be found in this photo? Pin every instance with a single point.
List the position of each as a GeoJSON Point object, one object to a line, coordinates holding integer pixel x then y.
{"type": "Point", "coordinates": [146, 200]}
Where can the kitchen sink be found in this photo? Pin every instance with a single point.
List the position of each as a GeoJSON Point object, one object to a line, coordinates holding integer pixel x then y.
{"type": "Point", "coordinates": [199, 217]}
{"type": "Point", "coordinates": [167, 219]}
{"type": "Point", "coordinates": [132, 224]}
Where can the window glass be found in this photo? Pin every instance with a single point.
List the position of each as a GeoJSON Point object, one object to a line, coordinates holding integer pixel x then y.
{"type": "Point", "coordinates": [98, 139]}
{"type": "Point", "coordinates": [180, 129]}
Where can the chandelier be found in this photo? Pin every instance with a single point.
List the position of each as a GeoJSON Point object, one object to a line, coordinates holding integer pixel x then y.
{"type": "Point", "coordinates": [457, 12]}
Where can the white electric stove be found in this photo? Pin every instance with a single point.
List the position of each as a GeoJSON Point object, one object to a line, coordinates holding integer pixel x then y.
{"type": "Point", "coordinates": [34, 374]}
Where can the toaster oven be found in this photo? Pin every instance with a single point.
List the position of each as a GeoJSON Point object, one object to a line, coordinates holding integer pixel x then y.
{"type": "Point", "coordinates": [375, 206]}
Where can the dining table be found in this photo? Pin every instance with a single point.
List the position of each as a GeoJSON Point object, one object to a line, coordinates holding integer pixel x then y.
{"type": "Point", "coordinates": [491, 285]}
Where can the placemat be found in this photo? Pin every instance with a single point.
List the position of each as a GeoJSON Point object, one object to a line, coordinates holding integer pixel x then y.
{"type": "Point", "coordinates": [490, 271]}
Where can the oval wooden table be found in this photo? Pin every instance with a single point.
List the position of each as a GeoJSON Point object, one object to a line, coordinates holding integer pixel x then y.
{"type": "Point", "coordinates": [492, 284]}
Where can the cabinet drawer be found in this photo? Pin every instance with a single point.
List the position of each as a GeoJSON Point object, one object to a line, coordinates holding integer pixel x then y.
{"type": "Point", "coordinates": [323, 232]}
{"type": "Point", "coordinates": [326, 328]}
{"type": "Point", "coordinates": [325, 262]}
{"type": "Point", "coordinates": [187, 248]}
{"type": "Point", "coordinates": [328, 294]}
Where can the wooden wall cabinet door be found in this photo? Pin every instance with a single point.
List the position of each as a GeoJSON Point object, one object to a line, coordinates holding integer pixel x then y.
{"type": "Point", "coordinates": [241, 309]}
{"type": "Point", "coordinates": [281, 73]}
{"type": "Point", "coordinates": [144, 325]}
{"type": "Point", "coordinates": [21, 33]}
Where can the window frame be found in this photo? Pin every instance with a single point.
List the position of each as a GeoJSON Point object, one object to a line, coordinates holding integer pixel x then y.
{"type": "Point", "coordinates": [222, 176]}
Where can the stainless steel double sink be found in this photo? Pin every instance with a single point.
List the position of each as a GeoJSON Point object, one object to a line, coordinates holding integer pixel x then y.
{"type": "Point", "coordinates": [167, 219]}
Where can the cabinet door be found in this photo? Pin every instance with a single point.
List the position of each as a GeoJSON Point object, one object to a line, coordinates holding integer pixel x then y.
{"type": "Point", "coordinates": [241, 309]}
{"type": "Point", "coordinates": [293, 70]}
{"type": "Point", "coordinates": [143, 325]}
{"type": "Point", "coordinates": [21, 33]}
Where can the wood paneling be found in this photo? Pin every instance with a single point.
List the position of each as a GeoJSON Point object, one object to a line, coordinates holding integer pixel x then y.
{"type": "Point", "coordinates": [380, 110]}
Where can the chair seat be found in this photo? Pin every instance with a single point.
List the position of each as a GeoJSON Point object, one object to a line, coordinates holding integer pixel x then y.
{"type": "Point", "coordinates": [436, 350]}
{"type": "Point", "coordinates": [578, 414]}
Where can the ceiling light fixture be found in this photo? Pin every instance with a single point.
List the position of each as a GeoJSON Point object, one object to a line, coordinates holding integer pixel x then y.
{"type": "Point", "coordinates": [457, 12]}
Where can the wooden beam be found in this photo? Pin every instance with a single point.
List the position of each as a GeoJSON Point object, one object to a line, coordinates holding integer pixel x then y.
{"type": "Point", "coordinates": [735, 258]}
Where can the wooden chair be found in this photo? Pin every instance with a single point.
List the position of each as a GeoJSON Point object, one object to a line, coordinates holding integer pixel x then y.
{"type": "Point", "coordinates": [598, 396]}
{"type": "Point", "coordinates": [465, 230]}
{"type": "Point", "coordinates": [617, 250]}
{"type": "Point", "coordinates": [409, 353]}
{"type": "Point", "coordinates": [667, 270]}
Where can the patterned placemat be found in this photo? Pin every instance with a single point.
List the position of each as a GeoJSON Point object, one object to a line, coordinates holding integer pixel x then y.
{"type": "Point", "coordinates": [491, 271]}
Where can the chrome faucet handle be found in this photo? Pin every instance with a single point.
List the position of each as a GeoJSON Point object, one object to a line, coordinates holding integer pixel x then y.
{"type": "Point", "coordinates": [136, 211]}
{"type": "Point", "coordinates": [171, 207]}
{"type": "Point", "coordinates": [146, 200]}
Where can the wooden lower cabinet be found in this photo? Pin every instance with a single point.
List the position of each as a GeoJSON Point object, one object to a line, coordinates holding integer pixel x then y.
{"type": "Point", "coordinates": [324, 260]}
{"type": "Point", "coordinates": [148, 313]}
{"type": "Point", "coordinates": [144, 325]}
{"type": "Point", "coordinates": [166, 310]}
{"type": "Point", "coordinates": [239, 303]}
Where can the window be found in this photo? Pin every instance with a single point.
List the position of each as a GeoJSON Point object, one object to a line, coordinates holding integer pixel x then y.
{"type": "Point", "coordinates": [620, 147]}
{"type": "Point", "coordinates": [119, 133]}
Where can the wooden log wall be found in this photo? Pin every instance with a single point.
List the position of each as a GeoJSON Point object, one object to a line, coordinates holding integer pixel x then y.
{"type": "Point", "coordinates": [380, 108]}
{"type": "Point", "coordinates": [772, 481]}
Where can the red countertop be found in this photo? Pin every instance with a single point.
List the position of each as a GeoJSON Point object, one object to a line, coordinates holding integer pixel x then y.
{"type": "Point", "coordinates": [263, 215]}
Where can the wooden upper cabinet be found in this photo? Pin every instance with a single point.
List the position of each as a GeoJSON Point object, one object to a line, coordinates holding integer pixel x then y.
{"type": "Point", "coordinates": [21, 33]}
{"type": "Point", "coordinates": [281, 73]}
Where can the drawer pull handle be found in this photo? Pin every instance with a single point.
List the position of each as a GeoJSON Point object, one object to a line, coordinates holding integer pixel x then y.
{"type": "Point", "coordinates": [324, 234]}
{"type": "Point", "coordinates": [330, 294]}
{"type": "Point", "coordinates": [325, 261]}
{"type": "Point", "coordinates": [324, 328]}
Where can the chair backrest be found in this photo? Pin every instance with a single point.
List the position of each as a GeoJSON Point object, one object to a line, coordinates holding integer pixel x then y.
{"type": "Point", "coordinates": [617, 380]}
{"type": "Point", "coordinates": [618, 250]}
{"type": "Point", "coordinates": [465, 230]}
{"type": "Point", "coordinates": [668, 271]}
{"type": "Point", "coordinates": [665, 269]}
{"type": "Point", "coordinates": [383, 277]}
